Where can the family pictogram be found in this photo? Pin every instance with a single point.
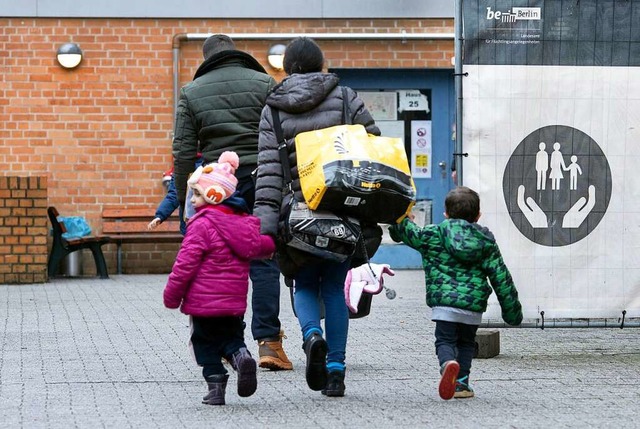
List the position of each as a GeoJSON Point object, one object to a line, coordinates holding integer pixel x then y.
{"type": "Point", "coordinates": [557, 185]}
{"type": "Point", "coordinates": [557, 167]}
{"type": "Point", "coordinates": [578, 212]}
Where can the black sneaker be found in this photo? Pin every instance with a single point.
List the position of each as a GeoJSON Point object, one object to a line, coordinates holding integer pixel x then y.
{"type": "Point", "coordinates": [335, 384]}
{"type": "Point", "coordinates": [315, 347]}
{"type": "Point", "coordinates": [463, 390]}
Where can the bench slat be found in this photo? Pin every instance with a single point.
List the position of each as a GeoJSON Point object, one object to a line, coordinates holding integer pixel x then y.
{"type": "Point", "coordinates": [110, 227]}
{"type": "Point", "coordinates": [87, 239]}
{"type": "Point", "coordinates": [146, 238]}
{"type": "Point", "coordinates": [143, 212]}
{"type": "Point", "coordinates": [128, 224]}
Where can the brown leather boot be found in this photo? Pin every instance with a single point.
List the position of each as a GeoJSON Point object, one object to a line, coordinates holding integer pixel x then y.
{"type": "Point", "coordinates": [272, 356]}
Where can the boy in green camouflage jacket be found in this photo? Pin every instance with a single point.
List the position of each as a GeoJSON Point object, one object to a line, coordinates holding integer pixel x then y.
{"type": "Point", "coordinates": [458, 256]}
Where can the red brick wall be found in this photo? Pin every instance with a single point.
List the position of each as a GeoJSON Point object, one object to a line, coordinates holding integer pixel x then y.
{"type": "Point", "coordinates": [23, 229]}
{"type": "Point", "coordinates": [101, 133]}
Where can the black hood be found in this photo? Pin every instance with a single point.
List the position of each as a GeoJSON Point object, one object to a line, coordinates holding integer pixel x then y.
{"type": "Point", "coordinates": [229, 57]}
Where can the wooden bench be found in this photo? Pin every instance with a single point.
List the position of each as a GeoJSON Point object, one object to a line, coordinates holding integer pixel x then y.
{"type": "Point", "coordinates": [62, 247]}
{"type": "Point", "coordinates": [129, 225]}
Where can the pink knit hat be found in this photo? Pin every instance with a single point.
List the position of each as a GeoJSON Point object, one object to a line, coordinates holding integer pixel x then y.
{"type": "Point", "coordinates": [216, 182]}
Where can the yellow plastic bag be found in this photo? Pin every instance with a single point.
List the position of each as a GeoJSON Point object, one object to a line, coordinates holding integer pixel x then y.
{"type": "Point", "coordinates": [346, 170]}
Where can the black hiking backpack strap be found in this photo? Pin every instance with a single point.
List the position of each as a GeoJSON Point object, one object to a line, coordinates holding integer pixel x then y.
{"type": "Point", "coordinates": [346, 116]}
{"type": "Point", "coordinates": [282, 146]}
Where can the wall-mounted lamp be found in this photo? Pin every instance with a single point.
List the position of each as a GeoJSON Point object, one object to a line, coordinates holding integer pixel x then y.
{"type": "Point", "coordinates": [275, 56]}
{"type": "Point", "coordinates": [69, 55]}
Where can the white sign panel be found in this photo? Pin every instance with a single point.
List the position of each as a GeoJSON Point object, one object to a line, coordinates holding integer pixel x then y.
{"type": "Point", "coordinates": [381, 105]}
{"type": "Point", "coordinates": [421, 162]}
{"type": "Point", "coordinates": [552, 130]}
{"type": "Point", "coordinates": [391, 129]}
{"type": "Point", "coordinates": [412, 100]}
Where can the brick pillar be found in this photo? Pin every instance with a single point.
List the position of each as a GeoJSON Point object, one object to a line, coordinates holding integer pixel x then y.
{"type": "Point", "coordinates": [23, 229]}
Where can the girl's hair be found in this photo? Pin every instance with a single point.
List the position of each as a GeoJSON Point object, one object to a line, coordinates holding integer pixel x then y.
{"type": "Point", "coordinates": [462, 203]}
{"type": "Point", "coordinates": [303, 55]}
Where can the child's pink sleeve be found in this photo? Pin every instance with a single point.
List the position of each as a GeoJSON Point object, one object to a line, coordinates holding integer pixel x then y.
{"type": "Point", "coordinates": [267, 245]}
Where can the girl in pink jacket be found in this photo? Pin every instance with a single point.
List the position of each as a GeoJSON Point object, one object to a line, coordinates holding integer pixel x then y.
{"type": "Point", "coordinates": [209, 280]}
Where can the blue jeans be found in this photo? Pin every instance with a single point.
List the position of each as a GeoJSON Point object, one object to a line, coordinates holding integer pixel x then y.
{"type": "Point", "coordinates": [324, 280]}
{"type": "Point", "coordinates": [456, 341]}
{"type": "Point", "coordinates": [265, 299]}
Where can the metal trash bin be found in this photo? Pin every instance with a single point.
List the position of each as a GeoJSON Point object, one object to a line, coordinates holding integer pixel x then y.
{"type": "Point", "coordinates": [72, 264]}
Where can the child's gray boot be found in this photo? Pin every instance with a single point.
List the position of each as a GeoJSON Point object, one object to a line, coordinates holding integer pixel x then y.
{"type": "Point", "coordinates": [246, 368]}
{"type": "Point", "coordinates": [217, 386]}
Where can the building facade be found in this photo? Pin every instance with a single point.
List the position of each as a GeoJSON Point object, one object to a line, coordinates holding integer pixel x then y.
{"type": "Point", "coordinates": [101, 133]}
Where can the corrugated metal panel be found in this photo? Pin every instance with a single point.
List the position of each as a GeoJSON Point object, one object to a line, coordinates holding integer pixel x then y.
{"type": "Point", "coordinates": [238, 9]}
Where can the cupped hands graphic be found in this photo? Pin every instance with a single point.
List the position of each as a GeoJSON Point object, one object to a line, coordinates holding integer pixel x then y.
{"type": "Point", "coordinates": [572, 219]}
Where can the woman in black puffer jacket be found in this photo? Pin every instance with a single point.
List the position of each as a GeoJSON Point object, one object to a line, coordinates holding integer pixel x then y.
{"type": "Point", "coordinates": [308, 99]}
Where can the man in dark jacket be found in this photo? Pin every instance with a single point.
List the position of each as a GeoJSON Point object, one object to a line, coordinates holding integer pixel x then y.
{"type": "Point", "coordinates": [220, 111]}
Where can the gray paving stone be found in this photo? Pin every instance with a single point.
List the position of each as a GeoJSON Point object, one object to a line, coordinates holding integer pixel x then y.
{"type": "Point", "coordinates": [89, 353]}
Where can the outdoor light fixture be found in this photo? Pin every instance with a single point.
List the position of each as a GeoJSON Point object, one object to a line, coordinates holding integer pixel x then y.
{"type": "Point", "coordinates": [69, 55]}
{"type": "Point", "coordinates": [275, 56]}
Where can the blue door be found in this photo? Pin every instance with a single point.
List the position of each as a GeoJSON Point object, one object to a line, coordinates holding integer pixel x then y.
{"type": "Point", "coordinates": [439, 89]}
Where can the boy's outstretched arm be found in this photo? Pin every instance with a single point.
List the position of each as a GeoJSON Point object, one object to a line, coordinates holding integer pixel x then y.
{"type": "Point", "coordinates": [408, 232]}
{"type": "Point", "coordinates": [505, 289]}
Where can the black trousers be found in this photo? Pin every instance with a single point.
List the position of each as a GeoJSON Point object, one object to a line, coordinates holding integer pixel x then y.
{"type": "Point", "coordinates": [456, 341]}
{"type": "Point", "coordinates": [215, 338]}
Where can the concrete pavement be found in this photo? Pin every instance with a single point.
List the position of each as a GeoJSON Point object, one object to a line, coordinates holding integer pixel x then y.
{"type": "Point", "coordinates": [106, 353]}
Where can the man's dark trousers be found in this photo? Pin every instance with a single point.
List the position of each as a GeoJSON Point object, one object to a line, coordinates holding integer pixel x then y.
{"type": "Point", "coordinates": [264, 274]}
